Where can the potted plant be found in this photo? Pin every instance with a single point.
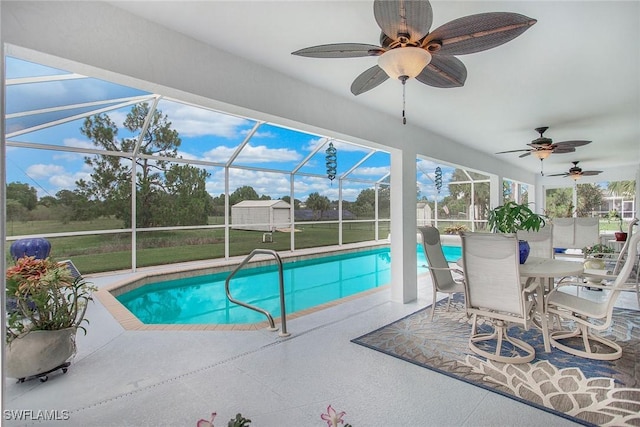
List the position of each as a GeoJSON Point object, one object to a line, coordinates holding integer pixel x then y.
{"type": "Point", "coordinates": [47, 306]}
{"type": "Point", "coordinates": [511, 217]}
{"type": "Point", "coordinates": [621, 235]}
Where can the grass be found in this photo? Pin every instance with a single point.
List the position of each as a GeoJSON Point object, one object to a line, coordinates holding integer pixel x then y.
{"type": "Point", "coordinates": [112, 252]}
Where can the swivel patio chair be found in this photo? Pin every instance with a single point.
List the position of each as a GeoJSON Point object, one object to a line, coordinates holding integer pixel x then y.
{"type": "Point", "coordinates": [588, 315]}
{"type": "Point", "coordinates": [613, 265]}
{"type": "Point", "coordinates": [495, 295]}
{"type": "Point", "coordinates": [441, 272]}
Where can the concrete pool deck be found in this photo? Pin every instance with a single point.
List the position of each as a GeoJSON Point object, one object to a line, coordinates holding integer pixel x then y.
{"type": "Point", "coordinates": [126, 377]}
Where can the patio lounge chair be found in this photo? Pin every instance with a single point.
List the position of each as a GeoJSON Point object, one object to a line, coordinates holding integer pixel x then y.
{"type": "Point", "coordinates": [495, 294]}
{"type": "Point", "coordinates": [588, 315]}
{"type": "Point", "coordinates": [441, 272]}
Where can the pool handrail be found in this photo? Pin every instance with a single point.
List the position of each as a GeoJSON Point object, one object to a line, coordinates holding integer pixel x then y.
{"type": "Point", "coordinates": [283, 317]}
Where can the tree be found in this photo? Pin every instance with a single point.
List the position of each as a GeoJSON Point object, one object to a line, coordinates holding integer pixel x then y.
{"type": "Point", "coordinates": [365, 203]}
{"type": "Point", "coordinates": [15, 211]}
{"type": "Point", "coordinates": [589, 199]}
{"type": "Point", "coordinates": [559, 203]}
{"type": "Point", "coordinates": [74, 206]}
{"type": "Point", "coordinates": [246, 192]}
{"type": "Point", "coordinates": [622, 188]}
{"type": "Point", "coordinates": [317, 204]}
{"type": "Point", "coordinates": [110, 181]}
{"type": "Point", "coordinates": [188, 200]}
{"type": "Point", "coordinates": [461, 196]}
{"type": "Point", "coordinates": [24, 194]}
{"type": "Point", "coordinates": [296, 202]}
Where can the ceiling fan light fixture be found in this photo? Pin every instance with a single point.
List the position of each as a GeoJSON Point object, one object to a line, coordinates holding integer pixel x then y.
{"type": "Point", "coordinates": [542, 154]}
{"type": "Point", "coordinates": [404, 61]}
{"type": "Point", "coordinates": [575, 176]}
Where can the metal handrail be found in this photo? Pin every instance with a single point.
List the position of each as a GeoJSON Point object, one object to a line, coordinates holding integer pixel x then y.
{"type": "Point", "coordinates": [283, 316]}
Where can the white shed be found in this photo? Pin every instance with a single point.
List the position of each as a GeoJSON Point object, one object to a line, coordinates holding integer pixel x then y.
{"type": "Point", "coordinates": [260, 215]}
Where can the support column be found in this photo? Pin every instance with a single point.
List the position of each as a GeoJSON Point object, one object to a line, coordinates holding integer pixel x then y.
{"type": "Point", "coordinates": [495, 193]}
{"type": "Point", "coordinates": [404, 265]}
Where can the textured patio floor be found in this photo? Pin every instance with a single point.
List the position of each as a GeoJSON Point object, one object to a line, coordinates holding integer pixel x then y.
{"type": "Point", "coordinates": [174, 378]}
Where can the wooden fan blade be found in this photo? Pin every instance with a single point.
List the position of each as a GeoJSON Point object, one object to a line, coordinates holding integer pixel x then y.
{"type": "Point", "coordinates": [340, 50]}
{"type": "Point", "coordinates": [479, 32]}
{"type": "Point", "coordinates": [558, 174]}
{"type": "Point", "coordinates": [368, 80]}
{"type": "Point", "coordinates": [410, 18]}
{"type": "Point", "coordinates": [591, 173]}
{"type": "Point", "coordinates": [443, 71]}
{"type": "Point", "coordinates": [525, 154]}
{"type": "Point", "coordinates": [511, 151]}
{"type": "Point", "coordinates": [576, 143]}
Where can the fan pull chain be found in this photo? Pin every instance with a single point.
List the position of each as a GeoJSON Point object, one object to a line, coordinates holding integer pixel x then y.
{"type": "Point", "coordinates": [404, 83]}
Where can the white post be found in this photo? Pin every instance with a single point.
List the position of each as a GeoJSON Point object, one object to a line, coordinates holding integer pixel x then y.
{"type": "Point", "coordinates": [404, 265]}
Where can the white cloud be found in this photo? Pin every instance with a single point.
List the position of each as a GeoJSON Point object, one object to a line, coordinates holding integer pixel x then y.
{"type": "Point", "coordinates": [40, 170]}
{"type": "Point", "coordinates": [194, 122]}
{"type": "Point", "coordinates": [377, 172]}
{"type": "Point", "coordinates": [57, 177]}
{"type": "Point", "coordinates": [277, 185]}
{"type": "Point", "coordinates": [77, 143]}
{"type": "Point", "coordinates": [253, 154]}
{"type": "Point", "coordinates": [265, 183]}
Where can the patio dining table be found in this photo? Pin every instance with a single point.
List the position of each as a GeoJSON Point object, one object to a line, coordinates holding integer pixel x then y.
{"type": "Point", "coordinates": [545, 269]}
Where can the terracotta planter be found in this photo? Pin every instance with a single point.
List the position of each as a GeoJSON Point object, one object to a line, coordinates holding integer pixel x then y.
{"type": "Point", "coordinates": [621, 236]}
{"type": "Point", "coordinates": [39, 352]}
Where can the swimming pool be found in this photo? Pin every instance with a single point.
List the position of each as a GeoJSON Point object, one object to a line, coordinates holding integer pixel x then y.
{"type": "Point", "coordinates": [308, 283]}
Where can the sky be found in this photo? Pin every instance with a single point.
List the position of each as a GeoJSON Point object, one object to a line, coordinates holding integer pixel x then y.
{"type": "Point", "coordinates": [272, 151]}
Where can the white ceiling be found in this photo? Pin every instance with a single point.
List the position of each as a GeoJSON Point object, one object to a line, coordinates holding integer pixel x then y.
{"type": "Point", "coordinates": [577, 70]}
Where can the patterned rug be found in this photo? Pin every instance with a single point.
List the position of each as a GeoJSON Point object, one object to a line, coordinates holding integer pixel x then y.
{"type": "Point", "coordinates": [586, 391]}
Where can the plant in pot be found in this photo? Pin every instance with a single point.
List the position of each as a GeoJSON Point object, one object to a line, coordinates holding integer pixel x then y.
{"type": "Point", "coordinates": [621, 235]}
{"type": "Point", "coordinates": [511, 217]}
{"type": "Point", "coordinates": [47, 306]}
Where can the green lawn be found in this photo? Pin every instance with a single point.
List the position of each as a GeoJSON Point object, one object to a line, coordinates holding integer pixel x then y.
{"type": "Point", "coordinates": [109, 252]}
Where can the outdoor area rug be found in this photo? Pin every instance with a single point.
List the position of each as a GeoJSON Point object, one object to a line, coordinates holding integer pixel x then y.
{"type": "Point", "coordinates": [586, 391]}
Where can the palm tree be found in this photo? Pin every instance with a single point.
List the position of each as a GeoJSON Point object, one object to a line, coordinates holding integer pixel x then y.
{"type": "Point", "coordinates": [622, 188]}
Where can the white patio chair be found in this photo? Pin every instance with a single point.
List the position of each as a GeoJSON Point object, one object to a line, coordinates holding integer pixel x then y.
{"type": "Point", "coordinates": [494, 293]}
{"type": "Point", "coordinates": [614, 266]}
{"type": "Point", "coordinates": [563, 232]}
{"type": "Point", "coordinates": [587, 232]}
{"type": "Point", "coordinates": [441, 272]}
{"type": "Point", "coordinates": [540, 242]}
{"type": "Point", "coordinates": [589, 315]}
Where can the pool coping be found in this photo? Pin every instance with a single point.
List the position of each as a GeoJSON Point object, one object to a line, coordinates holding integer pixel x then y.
{"type": "Point", "coordinates": [107, 295]}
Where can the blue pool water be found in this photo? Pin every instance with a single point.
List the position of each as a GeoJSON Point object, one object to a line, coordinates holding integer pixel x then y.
{"type": "Point", "coordinates": [308, 283]}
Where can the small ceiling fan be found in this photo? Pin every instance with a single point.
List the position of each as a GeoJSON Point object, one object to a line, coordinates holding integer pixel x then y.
{"type": "Point", "coordinates": [576, 172]}
{"type": "Point", "coordinates": [407, 48]}
{"type": "Point", "coordinates": [542, 147]}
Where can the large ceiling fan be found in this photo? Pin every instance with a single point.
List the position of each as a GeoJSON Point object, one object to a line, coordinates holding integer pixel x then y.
{"type": "Point", "coordinates": [542, 147]}
{"type": "Point", "coordinates": [407, 48]}
{"type": "Point", "coordinates": [576, 172]}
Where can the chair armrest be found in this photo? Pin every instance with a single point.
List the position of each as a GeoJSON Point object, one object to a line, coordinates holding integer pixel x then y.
{"type": "Point", "coordinates": [598, 274]}
{"type": "Point", "coordinates": [452, 269]}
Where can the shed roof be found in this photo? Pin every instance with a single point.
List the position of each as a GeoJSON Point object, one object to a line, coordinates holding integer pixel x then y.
{"type": "Point", "coordinates": [263, 203]}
